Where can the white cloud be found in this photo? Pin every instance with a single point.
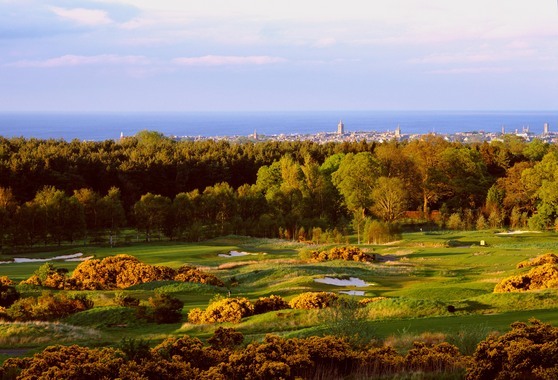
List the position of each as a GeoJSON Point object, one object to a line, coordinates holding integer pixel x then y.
{"type": "Point", "coordinates": [81, 60]}
{"type": "Point", "coordinates": [225, 60]}
{"type": "Point", "coordinates": [473, 70]}
{"type": "Point", "coordinates": [83, 16]}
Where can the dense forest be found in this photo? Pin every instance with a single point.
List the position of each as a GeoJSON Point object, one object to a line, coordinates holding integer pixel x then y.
{"type": "Point", "coordinates": [53, 190]}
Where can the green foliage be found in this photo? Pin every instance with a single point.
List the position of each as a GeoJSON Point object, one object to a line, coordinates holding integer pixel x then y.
{"type": "Point", "coordinates": [377, 232]}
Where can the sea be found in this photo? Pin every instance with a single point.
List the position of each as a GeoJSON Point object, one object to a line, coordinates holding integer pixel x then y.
{"type": "Point", "coordinates": [105, 126]}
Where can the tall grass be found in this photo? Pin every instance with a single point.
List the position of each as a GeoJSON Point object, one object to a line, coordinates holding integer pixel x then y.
{"type": "Point", "coordinates": [16, 334]}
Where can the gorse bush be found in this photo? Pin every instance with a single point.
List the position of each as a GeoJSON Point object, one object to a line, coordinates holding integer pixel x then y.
{"type": "Point", "coordinates": [190, 274]}
{"type": "Point", "coordinates": [342, 253]}
{"type": "Point", "coordinates": [275, 357]}
{"type": "Point", "coordinates": [528, 351]}
{"type": "Point", "coordinates": [313, 300]}
{"type": "Point", "coordinates": [541, 277]}
{"type": "Point", "coordinates": [271, 303]}
{"type": "Point", "coordinates": [48, 307]}
{"type": "Point", "coordinates": [115, 272]}
{"type": "Point", "coordinates": [548, 258]}
{"type": "Point", "coordinates": [223, 310]}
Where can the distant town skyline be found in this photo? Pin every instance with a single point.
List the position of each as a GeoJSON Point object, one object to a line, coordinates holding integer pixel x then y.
{"type": "Point", "coordinates": [144, 55]}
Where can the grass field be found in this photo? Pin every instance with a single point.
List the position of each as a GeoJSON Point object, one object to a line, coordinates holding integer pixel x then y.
{"type": "Point", "coordinates": [421, 276]}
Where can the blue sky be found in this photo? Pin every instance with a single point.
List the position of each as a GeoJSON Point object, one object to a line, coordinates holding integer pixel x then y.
{"type": "Point", "coordinates": [160, 55]}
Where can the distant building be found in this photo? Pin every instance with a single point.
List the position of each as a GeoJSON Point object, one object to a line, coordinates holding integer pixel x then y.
{"type": "Point", "coordinates": [398, 131]}
{"type": "Point", "coordinates": [546, 128]}
{"type": "Point", "coordinates": [340, 128]}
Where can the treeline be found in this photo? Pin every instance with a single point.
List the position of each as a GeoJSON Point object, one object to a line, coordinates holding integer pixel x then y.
{"type": "Point", "coordinates": [54, 190]}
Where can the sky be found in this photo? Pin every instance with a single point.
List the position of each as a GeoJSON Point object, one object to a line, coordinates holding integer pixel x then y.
{"type": "Point", "coordinates": [277, 55]}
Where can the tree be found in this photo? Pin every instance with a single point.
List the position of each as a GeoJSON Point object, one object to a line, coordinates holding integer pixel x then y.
{"type": "Point", "coordinates": [219, 205]}
{"type": "Point", "coordinates": [355, 179]}
{"type": "Point", "coordinates": [151, 212]}
{"type": "Point", "coordinates": [89, 201]}
{"type": "Point", "coordinates": [426, 154]}
{"type": "Point", "coordinates": [390, 199]}
{"type": "Point", "coordinates": [111, 213]}
{"type": "Point", "coordinates": [8, 206]}
{"type": "Point", "coordinates": [62, 215]}
{"type": "Point", "coordinates": [465, 176]}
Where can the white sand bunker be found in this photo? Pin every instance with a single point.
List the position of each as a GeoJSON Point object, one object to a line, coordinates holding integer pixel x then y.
{"type": "Point", "coordinates": [352, 292]}
{"type": "Point", "coordinates": [73, 257]}
{"type": "Point", "coordinates": [352, 281]}
{"type": "Point", "coordinates": [238, 254]}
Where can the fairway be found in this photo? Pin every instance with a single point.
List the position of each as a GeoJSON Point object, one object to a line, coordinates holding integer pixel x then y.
{"type": "Point", "coordinates": [417, 279]}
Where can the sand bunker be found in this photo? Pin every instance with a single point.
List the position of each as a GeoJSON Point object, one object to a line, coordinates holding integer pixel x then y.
{"type": "Point", "coordinates": [518, 232]}
{"type": "Point", "coordinates": [352, 292]}
{"type": "Point", "coordinates": [73, 257]}
{"type": "Point", "coordinates": [352, 281]}
{"type": "Point", "coordinates": [239, 254]}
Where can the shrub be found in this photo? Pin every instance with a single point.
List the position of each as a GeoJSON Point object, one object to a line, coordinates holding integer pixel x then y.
{"type": "Point", "coordinates": [442, 357]}
{"type": "Point", "coordinates": [165, 308]}
{"type": "Point", "coordinates": [48, 307]}
{"type": "Point", "coordinates": [342, 253]}
{"type": "Point", "coordinates": [49, 277]}
{"type": "Point", "coordinates": [313, 300]}
{"type": "Point", "coordinates": [540, 277]}
{"type": "Point", "coordinates": [69, 362]}
{"type": "Point", "coordinates": [120, 271]}
{"type": "Point", "coordinates": [225, 338]}
{"type": "Point", "coordinates": [135, 349]}
{"type": "Point", "coordinates": [224, 310]}
{"type": "Point", "coordinates": [8, 295]}
{"type": "Point", "coordinates": [366, 301]}
{"type": "Point", "coordinates": [548, 258]}
{"type": "Point", "coordinates": [121, 299]}
{"type": "Point", "coordinates": [188, 273]}
{"type": "Point", "coordinates": [271, 303]}
{"type": "Point", "coordinates": [528, 351]}
{"type": "Point", "coordinates": [5, 281]}
{"type": "Point", "coordinates": [376, 232]}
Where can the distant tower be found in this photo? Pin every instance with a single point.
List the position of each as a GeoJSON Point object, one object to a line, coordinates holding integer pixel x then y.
{"type": "Point", "coordinates": [255, 135]}
{"type": "Point", "coordinates": [340, 128]}
{"type": "Point", "coordinates": [503, 129]}
{"type": "Point", "coordinates": [121, 135]}
{"type": "Point", "coordinates": [546, 128]}
{"type": "Point", "coordinates": [398, 131]}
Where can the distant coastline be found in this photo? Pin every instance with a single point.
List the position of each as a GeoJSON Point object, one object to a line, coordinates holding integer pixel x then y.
{"type": "Point", "coordinates": [279, 125]}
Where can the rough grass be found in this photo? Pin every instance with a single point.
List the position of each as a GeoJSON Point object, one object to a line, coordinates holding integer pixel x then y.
{"type": "Point", "coordinates": [25, 334]}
